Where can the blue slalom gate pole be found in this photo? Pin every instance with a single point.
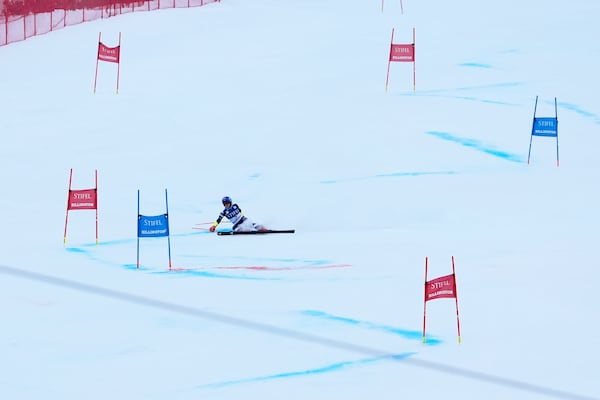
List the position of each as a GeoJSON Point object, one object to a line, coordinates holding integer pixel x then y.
{"type": "Point", "coordinates": [556, 116]}
{"type": "Point", "coordinates": [532, 128]}
{"type": "Point", "coordinates": [168, 236]}
{"type": "Point", "coordinates": [544, 127]}
{"type": "Point", "coordinates": [138, 229]}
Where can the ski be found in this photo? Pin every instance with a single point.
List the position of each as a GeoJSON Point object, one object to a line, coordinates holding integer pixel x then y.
{"type": "Point", "coordinates": [228, 233]}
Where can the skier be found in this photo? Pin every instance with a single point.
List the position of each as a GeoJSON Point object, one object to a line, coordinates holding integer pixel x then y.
{"type": "Point", "coordinates": [234, 214]}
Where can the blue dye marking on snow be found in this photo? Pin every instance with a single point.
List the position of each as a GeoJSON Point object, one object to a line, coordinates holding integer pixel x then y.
{"type": "Point", "coordinates": [115, 242]}
{"type": "Point", "coordinates": [83, 249]}
{"type": "Point", "coordinates": [468, 98]}
{"type": "Point", "coordinates": [415, 174]}
{"type": "Point", "coordinates": [134, 267]}
{"type": "Point", "coordinates": [208, 274]}
{"type": "Point", "coordinates": [109, 243]}
{"type": "Point", "coordinates": [89, 255]}
{"type": "Point", "coordinates": [255, 175]}
{"type": "Point", "coordinates": [487, 101]}
{"type": "Point", "coordinates": [388, 175]}
{"type": "Point", "coordinates": [474, 64]}
{"type": "Point", "coordinates": [580, 111]}
{"type": "Point", "coordinates": [75, 250]}
{"type": "Point", "coordinates": [131, 266]}
{"type": "Point", "coordinates": [501, 85]}
{"type": "Point", "coordinates": [314, 371]}
{"type": "Point", "coordinates": [407, 334]}
{"type": "Point", "coordinates": [87, 250]}
{"type": "Point", "coordinates": [197, 232]}
{"type": "Point", "coordinates": [450, 93]}
{"type": "Point", "coordinates": [306, 262]}
{"type": "Point", "coordinates": [477, 145]}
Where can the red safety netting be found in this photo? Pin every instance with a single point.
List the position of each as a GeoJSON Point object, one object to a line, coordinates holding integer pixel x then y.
{"type": "Point", "coordinates": [21, 19]}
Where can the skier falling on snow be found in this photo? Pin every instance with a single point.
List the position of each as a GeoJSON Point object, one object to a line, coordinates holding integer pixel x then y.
{"type": "Point", "coordinates": [234, 214]}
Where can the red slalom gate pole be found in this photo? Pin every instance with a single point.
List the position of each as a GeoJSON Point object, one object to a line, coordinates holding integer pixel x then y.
{"type": "Point", "coordinates": [97, 60]}
{"type": "Point", "coordinates": [425, 300]}
{"type": "Point", "coordinates": [68, 199]}
{"type": "Point", "coordinates": [387, 78]}
{"type": "Point", "coordinates": [119, 63]}
{"type": "Point", "coordinates": [456, 300]}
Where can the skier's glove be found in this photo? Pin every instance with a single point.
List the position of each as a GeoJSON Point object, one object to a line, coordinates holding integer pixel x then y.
{"type": "Point", "coordinates": [212, 228]}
